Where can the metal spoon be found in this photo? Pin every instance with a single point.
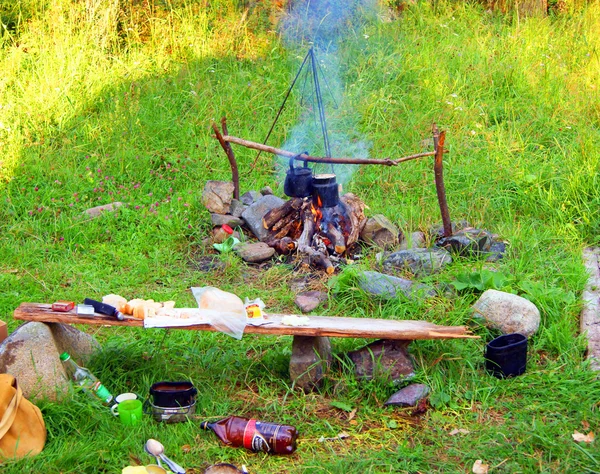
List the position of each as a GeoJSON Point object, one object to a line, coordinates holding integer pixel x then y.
{"type": "Point", "coordinates": [156, 449]}
{"type": "Point", "coordinates": [150, 441]}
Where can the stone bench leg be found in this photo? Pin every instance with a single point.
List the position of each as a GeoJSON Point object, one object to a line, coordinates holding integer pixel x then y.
{"type": "Point", "coordinates": [311, 358]}
{"type": "Point", "coordinates": [385, 358]}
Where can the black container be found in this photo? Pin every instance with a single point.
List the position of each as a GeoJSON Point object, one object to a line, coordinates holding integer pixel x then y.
{"type": "Point", "coordinates": [298, 181]}
{"type": "Point", "coordinates": [325, 190]}
{"type": "Point", "coordinates": [173, 394]}
{"type": "Point", "coordinates": [506, 356]}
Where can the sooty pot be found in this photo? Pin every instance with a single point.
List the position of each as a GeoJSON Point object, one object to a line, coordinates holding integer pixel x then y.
{"type": "Point", "coordinates": [298, 181]}
{"type": "Point", "coordinates": [325, 190]}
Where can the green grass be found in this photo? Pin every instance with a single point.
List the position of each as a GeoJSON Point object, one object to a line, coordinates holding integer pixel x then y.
{"type": "Point", "coordinates": [116, 104]}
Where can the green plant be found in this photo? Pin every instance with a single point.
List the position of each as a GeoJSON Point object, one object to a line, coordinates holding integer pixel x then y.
{"type": "Point", "coordinates": [481, 280]}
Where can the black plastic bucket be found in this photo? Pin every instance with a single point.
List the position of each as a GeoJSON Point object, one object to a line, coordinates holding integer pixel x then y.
{"type": "Point", "coordinates": [173, 394]}
{"type": "Point", "coordinates": [506, 356]}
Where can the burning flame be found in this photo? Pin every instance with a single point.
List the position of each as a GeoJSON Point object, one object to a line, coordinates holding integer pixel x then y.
{"type": "Point", "coordinates": [316, 211]}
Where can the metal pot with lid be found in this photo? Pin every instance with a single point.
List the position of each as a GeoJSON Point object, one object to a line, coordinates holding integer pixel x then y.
{"type": "Point", "coordinates": [298, 181]}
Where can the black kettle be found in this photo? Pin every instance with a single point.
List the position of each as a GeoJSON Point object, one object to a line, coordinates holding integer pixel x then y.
{"type": "Point", "coordinates": [298, 181]}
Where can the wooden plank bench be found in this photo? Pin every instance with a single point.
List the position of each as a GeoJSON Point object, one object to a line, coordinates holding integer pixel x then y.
{"type": "Point", "coordinates": [310, 340]}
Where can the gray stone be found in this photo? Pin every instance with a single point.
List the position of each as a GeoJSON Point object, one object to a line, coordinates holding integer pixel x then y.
{"type": "Point", "coordinates": [418, 261]}
{"type": "Point", "coordinates": [497, 252]}
{"type": "Point", "coordinates": [409, 396]}
{"type": "Point", "coordinates": [217, 196]}
{"type": "Point", "coordinates": [381, 232]}
{"type": "Point", "coordinates": [311, 359]}
{"type": "Point", "coordinates": [254, 214]}
{"type": "Point", "coordinates": [254, 252]}
{"type": "Point", "coordinates": [266, 191]}
{"type": "Point", "coordinates": [75, 342]}
{"type": "Point", "coordinates": [309, 300]}
{"type": "Point", "coordinates": [383, 359]}
{"type": "Point", "coordinates": [508, 312]}
{"type": "Point", "coordinates": [236, 208]}
{"type": "Point", "coordinates": [388, 286]}
{"type": "Point", "coordinates": [31, 355]}
{"type": "Point", "coordinates": [98, 210]}
{"type": "Point", "coordinates": [437, 232]}
{"type": "Point", "coordinates": [467, 242]}
{"type": "Point", "coordinates": [250, 197]}
{"type": "Point", "coordinates": [221, 219]}
{"type": "Point", "coordinates": [416, 240]}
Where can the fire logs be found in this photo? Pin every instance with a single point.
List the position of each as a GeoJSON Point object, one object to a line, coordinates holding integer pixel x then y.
{"type": "Point", "coordinates": [316, 233]}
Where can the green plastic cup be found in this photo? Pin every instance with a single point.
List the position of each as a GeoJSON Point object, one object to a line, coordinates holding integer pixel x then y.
{"type": "Point", "coordinates": [129, 412]}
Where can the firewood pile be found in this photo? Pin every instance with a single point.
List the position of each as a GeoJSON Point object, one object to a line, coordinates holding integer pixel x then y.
{"type": "Point", "coordinates": [316, 233]}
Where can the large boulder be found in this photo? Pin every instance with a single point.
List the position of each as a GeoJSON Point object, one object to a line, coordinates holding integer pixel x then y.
{"type": "Point", "coordinates": [508, 312]}
{"type": "Point", "coordinates": [31, 354]}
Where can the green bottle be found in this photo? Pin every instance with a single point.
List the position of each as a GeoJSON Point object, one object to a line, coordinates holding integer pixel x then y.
{"type": "Point", "coordinates": [86, 380]}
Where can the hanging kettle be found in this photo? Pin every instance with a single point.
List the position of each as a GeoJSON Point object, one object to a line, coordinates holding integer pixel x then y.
{"type": "Point", "coordinates": [298, 181]}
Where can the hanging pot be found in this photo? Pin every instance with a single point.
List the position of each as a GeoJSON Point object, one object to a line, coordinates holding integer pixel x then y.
{"type": "Point", "coordinates": [325, 190]}
{"type": "Point", "coordinates": [298, 181]}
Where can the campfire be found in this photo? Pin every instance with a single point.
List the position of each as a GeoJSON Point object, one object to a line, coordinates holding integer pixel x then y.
{"type": "Point", "coordinates": [316, 222]}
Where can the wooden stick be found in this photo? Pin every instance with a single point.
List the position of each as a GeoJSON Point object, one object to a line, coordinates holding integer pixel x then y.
{"type": "Point", "coordinates": [235, 175]}
{"type": "Point", "coordinates": [317, 159]}
{"type": "Point", "coordinates": [438, 170]}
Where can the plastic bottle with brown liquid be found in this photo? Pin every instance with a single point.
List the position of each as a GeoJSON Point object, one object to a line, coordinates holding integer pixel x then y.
{"type": "Point", "coordinates": [254, 435]}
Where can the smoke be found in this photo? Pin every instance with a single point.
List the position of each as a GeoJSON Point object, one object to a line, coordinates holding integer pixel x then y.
{"type": "Point", "coordinates": [323, 25]}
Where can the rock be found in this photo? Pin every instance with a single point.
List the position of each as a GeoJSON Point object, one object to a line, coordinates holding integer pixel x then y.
{"type": "Point", "coordinates": [409, 396]}
{"type": "Point", "coordinates": [221, 219]}
{"type": "Point", "coordinates": [309, 300]}
{"type": "Point", "coordinates": [383, 358]}
{"type": "Point", "coordinates": [416, 240]}
{"type": "Point", "coordinates": [497, 251]}
{"type": "Point", "coordinates": [266, 191]}
{"type": "Point", "coordinates": [217, 196]}
{"type": "Point", "coordinates": [75, 342]}
{"type": "Point", "coordinates": [31, 355]}
{"type": "Point", "coordinates": [437, 232]}
{"type": "Point", "coordinates": [254, 252]}
{"type": "Point", "coordinates": [388, 286]}
{"type": "Point", "coordinates": [311, 358]}
{"type": "Point", "coordinates": [236, 208]}
{"type": "Point", "coordinates": [508, 312]}
{"type": "Point", "coordinates": [250, 197]}
{"type": "Point", "coordinates": [255, 212]}
{"type": "Point", "coordinates": [98, 210]}
{"type": "Point", "coordinates": [418, 261]}
{"type": "Point", "coordinates": [467, 242]}
{"type": "Point", "coordinates": [381, 232]}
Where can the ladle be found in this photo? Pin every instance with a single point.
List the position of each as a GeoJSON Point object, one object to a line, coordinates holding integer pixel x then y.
{"type": "Point", "coordinates": [156, 449]}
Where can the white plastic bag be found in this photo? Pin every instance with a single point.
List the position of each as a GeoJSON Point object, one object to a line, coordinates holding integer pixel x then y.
{"type": "Point", "coordinates": [224, 311]}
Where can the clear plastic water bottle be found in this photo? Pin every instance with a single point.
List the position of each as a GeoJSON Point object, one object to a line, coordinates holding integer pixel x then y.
{"type": "Point", "coordinates": [86, 380]}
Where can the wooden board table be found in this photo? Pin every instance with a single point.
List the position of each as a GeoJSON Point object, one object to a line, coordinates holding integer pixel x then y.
{"type": "Point", "coordinates": [327, 326]}
{"type": "Point", "coordinates": [311, 350]}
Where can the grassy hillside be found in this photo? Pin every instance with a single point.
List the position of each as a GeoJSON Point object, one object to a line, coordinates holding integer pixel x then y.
{"type": "Point", "coordinates": [104, 101]}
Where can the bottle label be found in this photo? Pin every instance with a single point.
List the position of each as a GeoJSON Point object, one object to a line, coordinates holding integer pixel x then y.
{"type": "Point", "coordinates": [102, 392]}
{"type": "Point", "coordinates": [259, 436]}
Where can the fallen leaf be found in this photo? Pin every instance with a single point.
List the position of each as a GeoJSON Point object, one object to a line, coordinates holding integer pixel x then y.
{"type": "Point", "coordinates": [456, 431]}
{"type": "Point", "coordinates": [186, 448]}
{"type": "Point", "coordinates": [479, 467]}
{"type": "Point", "coordinates": [580, 437]}
{"type": "Point", "coordinates": [352, 414]}
{"type": "Point", "coordinates": [585, 424]}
